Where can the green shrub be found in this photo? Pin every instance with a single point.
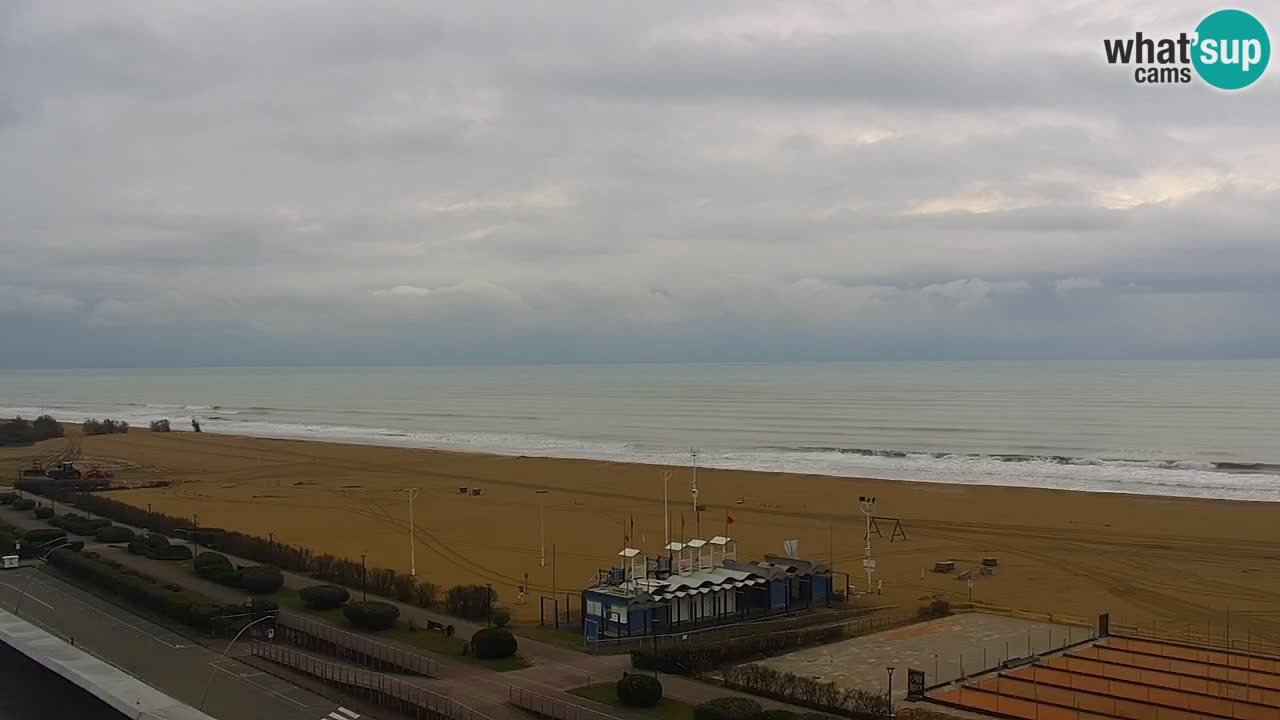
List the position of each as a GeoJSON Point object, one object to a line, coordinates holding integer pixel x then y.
{"type": "Point", "coordinates": [492, 643]}
{"type": "Point", "coordinates": [171, 552]}
{"type": "Point", "coordinates": [113, 534]}
{"type": "Point", "coordinates": [935, 609]}
{"type": "Point", "coordinates": [24, 504]}
{"type": "Point", "coordinates": [103, 427]}
{"type": "Point", "coordinates": [372, 615]}
{"type": "Point", "coordinates": [138, 546]}
{"type": "Point", "coordinates": [208, 562]}
{"type": "Point", "coordinates": [728, 708]}
{"type": "Point", "coordinates": [470, 601]}
{"type": "Point", "coordinates": [639, 691]}
{"type": "Point", "coordinates": [8, 498]}
{"type": "Point", "coordinates": [156, 540]}
{"type": "Point", "coordinates": [261, 579]}
{"type": "Point", "coordinates": [183, 606]}
{"type": "Point", "coordinates": [44, 512]}
{"type": "Point", "coordinates": [501, 617]}
{"type": "Point", "coordinates": [324, 597]}
{"type": "Point", "coordinates": [40, 536]}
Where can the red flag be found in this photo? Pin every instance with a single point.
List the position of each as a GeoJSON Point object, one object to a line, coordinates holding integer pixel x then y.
{"type": "Point", "coordinates": [729, 519]}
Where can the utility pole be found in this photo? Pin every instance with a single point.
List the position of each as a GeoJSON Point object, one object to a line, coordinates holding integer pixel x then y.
{"type": "Point", "coordinates": [413, 563]}
{"type": "Point", "coordinates": [195, 527]}
{"type": "Point", "coordinates": [271, 548]}
{"type": "Point", "coordinates": [697, 517]}
{"type": "Point", "coordinates": [364, 578]}
{"type": "Point", "coordinates": [542, 528]}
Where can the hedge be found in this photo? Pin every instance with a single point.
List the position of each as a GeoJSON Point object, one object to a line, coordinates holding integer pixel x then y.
{"type": "Point", "coordinates": [113, 534]}
{"type": "Point", "coordinates": [184, 606]}
{"type": "Point", "coordinates": [24, 504]}
{"type": "Point", "coordinates": [324, 597]}
{"type": "Point", "coordinates": [472, 602]}
{"type": "Point", "coordinates": [728, 708]}
{"type": "Point", "coordinates": [372, 615]}
{"type": "Point", "coordinates": [261, 579]}
{"type": "Point", "coordinates": [639, 691]}
{"type": "Point", "coordinates": [807, 692]}
{"type": "Point", "coordinates": [693, 658]}
{"type": "Point", "coordinates": [44, 512]}
{"type": "Point", "coordinates": [493, 643]}
{"type": "Point", "coordinates": [170, 552]}
{"type": "Point", "coordinates": [40, 536]}
{"type": "Point", "coordinates": [79, 525]}
{"type": "Point", "coordinates": [8, 498]}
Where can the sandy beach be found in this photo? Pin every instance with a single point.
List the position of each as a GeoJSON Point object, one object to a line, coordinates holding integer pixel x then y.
{"type": "Point", "coordinates": [1142, 559]}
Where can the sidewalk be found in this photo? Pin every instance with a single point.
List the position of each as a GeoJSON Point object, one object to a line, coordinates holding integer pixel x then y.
{"type": "Point", "coordinates": [555, 669]}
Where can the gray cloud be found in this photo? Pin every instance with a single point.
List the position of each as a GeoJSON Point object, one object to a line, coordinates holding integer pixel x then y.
{"type": "Point", "coordinates": [422, 182]}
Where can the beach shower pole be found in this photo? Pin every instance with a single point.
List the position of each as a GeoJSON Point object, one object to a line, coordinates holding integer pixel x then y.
{"type": "Point", "coordinates": [413, 563]}
{"type": "Point", "coordinates": [542, 528]}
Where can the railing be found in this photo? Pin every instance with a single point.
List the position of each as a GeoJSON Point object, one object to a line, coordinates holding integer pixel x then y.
{"type": "Point", "coordinates": [552, 708]}
{"type": "Point", "coordinates": [312, 635]}
{"type": "Point", "coordinates": [382, 689]}
{"type": "Point", "coordinates": [1185, 634]}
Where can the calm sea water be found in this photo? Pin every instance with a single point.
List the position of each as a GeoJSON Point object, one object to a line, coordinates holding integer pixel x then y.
{"type": "Point", "coordinates": [1209, 429]}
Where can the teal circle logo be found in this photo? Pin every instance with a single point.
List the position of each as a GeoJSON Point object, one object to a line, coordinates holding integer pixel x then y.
{"type": "Point", "coordinates": [1231, 49]}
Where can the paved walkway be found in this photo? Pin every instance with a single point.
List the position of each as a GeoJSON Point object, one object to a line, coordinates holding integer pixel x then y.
{"type": "Point", "coordinates": [555, 669]}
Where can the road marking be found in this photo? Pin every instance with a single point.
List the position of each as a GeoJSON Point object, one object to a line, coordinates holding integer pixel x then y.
{"type": "Point", "coordinates": [27, 594]}
{"type": "Point", "coordinates": [349, 713]}
{"type": "Point", "coordinates": [114, 618]}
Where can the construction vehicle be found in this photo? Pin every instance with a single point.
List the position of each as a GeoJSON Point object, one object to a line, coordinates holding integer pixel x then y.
{"type": "Point", "coordinates": [64, 471]}
{"type": "Point", "coordinates": [35, 471]}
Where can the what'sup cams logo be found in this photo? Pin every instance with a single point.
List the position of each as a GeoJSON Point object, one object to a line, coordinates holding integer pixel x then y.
{"type": "Point", "coordinates": [1228, 50]}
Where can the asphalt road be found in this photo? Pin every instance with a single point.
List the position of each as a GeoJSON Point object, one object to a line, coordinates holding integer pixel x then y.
{"type": "Point", "coordinates": [168, 661]}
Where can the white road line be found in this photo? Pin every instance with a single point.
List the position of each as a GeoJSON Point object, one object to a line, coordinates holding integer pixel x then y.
{"type": "Point", "coordinates": [263, 688]}
{"type": "Point", "coordinates": [336, 716]}
{"type": "Point", "coordinates": [28, 595]}
{"type": "Point", "coordinates": [349, 713]}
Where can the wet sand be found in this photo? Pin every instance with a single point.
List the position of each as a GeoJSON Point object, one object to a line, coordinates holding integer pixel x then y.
{"type": "Point", "coordinates": [1172, 560]}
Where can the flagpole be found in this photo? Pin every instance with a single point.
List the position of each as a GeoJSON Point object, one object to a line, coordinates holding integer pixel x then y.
{"type": "Point", "coordinates": [666, 513]}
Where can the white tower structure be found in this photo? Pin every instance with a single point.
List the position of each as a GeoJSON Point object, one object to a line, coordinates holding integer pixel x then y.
{"type": "Point", "coordinates": [868, 505]}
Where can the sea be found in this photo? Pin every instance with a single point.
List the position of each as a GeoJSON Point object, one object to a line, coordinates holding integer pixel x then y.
{"type": "Point", "coordinates": [1192, 429]}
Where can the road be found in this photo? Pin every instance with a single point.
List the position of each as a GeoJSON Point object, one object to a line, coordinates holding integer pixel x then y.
{"type": "Point", "coordinates": [167, 661]}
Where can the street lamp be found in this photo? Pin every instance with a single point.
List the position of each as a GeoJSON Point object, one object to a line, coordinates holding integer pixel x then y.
{"type": "Point", "coordinates": [889, 692]}
{"type": "Point", "coordinates": [542, 528]}
{"type": "Point", "coordinates": [413, 563]}
{"type": "Point", "coordinates": [214, 665]}
{"type": "Point", "coordinates": [364, 577]}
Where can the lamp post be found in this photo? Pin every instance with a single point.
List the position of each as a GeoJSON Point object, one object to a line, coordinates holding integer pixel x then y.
{"type": "Point", "coordinates": [889, 692]}
{"type": "Point", "coordinates": [214, 669]}
{"type": "Point", "coordinates": [364, 578]}
{"type": "Point", "coordinates": [413, 563]}
{"type": "Point", "coordinates": [271, 548]}
{"type": "Point", "coordinates": [148, 527]}
{"type": "Point", "coordinates": [542, 528]}
{"type": "Point", "coordinates": [867, 504]}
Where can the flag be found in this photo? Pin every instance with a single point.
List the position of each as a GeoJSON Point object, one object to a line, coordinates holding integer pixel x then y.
{"type": "Point", "coordinates": [729, 519]}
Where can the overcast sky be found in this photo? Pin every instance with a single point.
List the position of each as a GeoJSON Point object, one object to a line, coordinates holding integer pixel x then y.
{"type": "Point", "coordinates": [324, 182]}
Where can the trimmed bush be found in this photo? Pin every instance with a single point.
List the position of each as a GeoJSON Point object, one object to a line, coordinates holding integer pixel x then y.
{"type": "Point", "coordinates": [261, 579]}
{"type": "Point", "coordinates": [171, 552]}
{"type": "Point", "coordinates": [728, 708]}
{"type": "Point", "coordinates": [935, 609]}
{"type": "Point", "coordinates": [113, 534]}
{"type": "Point", "coordinates": [44, 512]}
{"type": "Point", "coordinates": [640, 691]}
{"type": "Point", "coordinates": [156, 540]}
{"type": "Point", "coordinates": [8, 498]}
{"type": "Point", "coordinates": [40, 536]}
{"type": "Point", "coordinates": [207, 562]}
{"type": "Point", "coordinates": [372, 615]}
{"type": "Point", "coordinates": [493, 643]}
{"type": "Point", "coordinates": [324, 597]}
{"type": "Point", "coordinates": [470, 601]}
{"type": "Point", "coordinates": [24, 504]}
{"type": "Point", "coordinates": [185, 607]}
{"type": "Point", "coordinates": [138, 546]}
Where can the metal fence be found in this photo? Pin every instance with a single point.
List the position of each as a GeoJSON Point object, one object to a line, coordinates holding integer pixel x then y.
{"type": "Point", "coordinates": [552, 708]}
{"type": "Point", "coordinates": [1004, 652]}
{"type": "Point", "coordinates": [1242, 638]}
{"type": "Point", "coordinates": [386, 691]}
{"type": "Point", "coordinates": [320, 637]}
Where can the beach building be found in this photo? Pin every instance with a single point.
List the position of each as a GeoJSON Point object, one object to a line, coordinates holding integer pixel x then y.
{"type": "Point", "coordinates": [697, 584]}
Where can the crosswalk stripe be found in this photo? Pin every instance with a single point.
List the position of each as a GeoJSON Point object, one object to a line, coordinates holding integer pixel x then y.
{"type": "Point", "coordinates": [349, 713]}
{"type": "Point", "coordinates": [336, 716]}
